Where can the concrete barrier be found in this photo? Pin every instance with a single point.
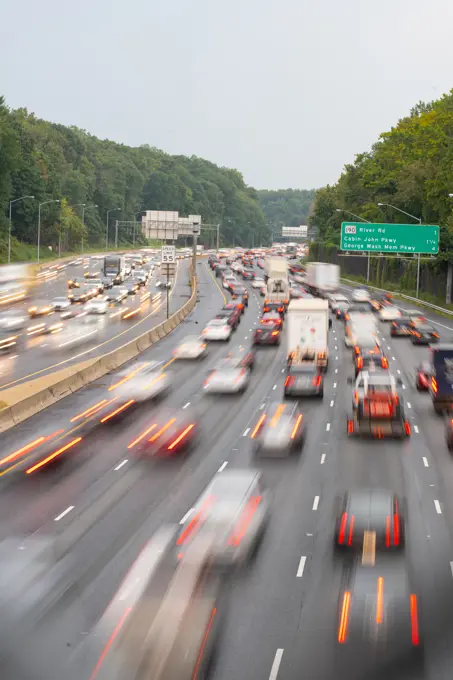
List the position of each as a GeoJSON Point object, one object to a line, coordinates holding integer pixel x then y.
{"type": "Point", "coordinates": [24, 401]}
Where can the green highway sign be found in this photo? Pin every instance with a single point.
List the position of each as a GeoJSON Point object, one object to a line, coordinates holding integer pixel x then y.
{"type": "Point", "coordinates": [390, 238]}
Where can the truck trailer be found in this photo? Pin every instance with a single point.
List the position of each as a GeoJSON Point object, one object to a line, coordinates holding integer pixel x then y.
{"type": "Point", "coordinates": [322, 279]}
{"type": "Point", "coordinates": [308, 328]}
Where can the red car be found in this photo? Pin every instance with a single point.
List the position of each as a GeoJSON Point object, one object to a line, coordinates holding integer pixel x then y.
{"type": "Point", "coordinates": [231, 316]}
{"type": "Point", "coordinates": [237, 304]}
{"type": "Point", "coordinates": [423, 376]}
{"type": "Point", "coordinates": [170, 433]}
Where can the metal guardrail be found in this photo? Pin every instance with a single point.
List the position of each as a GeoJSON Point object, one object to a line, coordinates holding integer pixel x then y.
{"type": "Point", "coordinates": [406, 297]}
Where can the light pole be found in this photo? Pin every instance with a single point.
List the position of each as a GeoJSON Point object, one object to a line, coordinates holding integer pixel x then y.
{"type": "Point", "coordinates": [362, 219]}
{"type": "Point", "coordinates": [417, 219]}
{"type": "Point", "coordinates": [195, 232]}
{"type": "Point", "coordinates": [133, 227]}
{"type": "Point", "coordinates": [84, 207]}
{"type": "Point", "coordinates": [11, 224]}
{"type": "Point", "coordinates": [39, 221]}
{"type": "Point", "coordinates": [107, 226]}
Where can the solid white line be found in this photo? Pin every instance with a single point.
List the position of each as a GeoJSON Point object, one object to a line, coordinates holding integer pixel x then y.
{"type": "Point", "coordinates": [276, 664]}
{"type": "Point", "coordinates": [246, 432]}
{"type": "Point", "coordinates": [388, 347]}
{"type": "Point", "coordinates": [274, 387]}
{"type": "Point", "coordinates": [300, 569]}
{"type": "Point", "coordinates": [438, 508]}
{"type": "Point", "coordinates": [64, 513]}
{"type": "Point", "coordinates": [186, 405]}
{"type": "Point", "coordinates": [223, 466]}
{"type": "Point", "coordinates": [416, 429]}
{"type": "Point", "coordinates": [186, 516]}
{"type": "Point", "coordinates": [425, 461]}
{"type": "Point", "coordinates": [323, 458]}
{"type": "Point", "coordinates": [315, 503]}
{"type": "Point", "coordinates": [334, 385]}
{"type": "Point", "coordinates": [122, 464]}
{"type": "Point", "coordinates": [332, 403]}
{"type": "Point", "coordinates": [283, 370]}
{"type": "Point", "coordinates": [246, 337]}
{"type": "Point", "coordinates": [327, 427]}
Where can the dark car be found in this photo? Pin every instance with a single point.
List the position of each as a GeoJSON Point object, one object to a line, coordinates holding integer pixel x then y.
{"type": "Point", "coordinates": [243, 358]}
{"type": "Point", "coordinates": [423, 376]}
{"type": "Point", "coordinates": [73, 283]}
{"type": "Point", "coordinates": [280, 431]}
{"type": "Point", "coordinates": [248, 274]}
{"type": "Point", "coordinates": [369, 358]}
{"type": "Point", "coordinates": [236, 304]}
{"type": "Point", "coordinates": [370, 514]}
{"type": "Point", "coordinates": [231, 316]}
{"type": "Point", "coordinates": [108, 282]}
{"type": "Point", "coordinates": [132, 287]}
{"type": "Point", "coordinates": [424, 334]}
{"type": "Point", "coordinates": [240, 292]}
{"type": "Point", "coordinates": [274, 306]}
{"type": "Point", "coordinates": [340, 309]}
{"type": "Point", "coordinates": [219, 269]}
{"type": "Point", "coordinates": [304, 379]}
{"type": "Point", "coordinates": [267, 334]}
{"type": "Point", "coordinates": [401, 327]}
{"type": "Point", "coordinates": [169, 433]}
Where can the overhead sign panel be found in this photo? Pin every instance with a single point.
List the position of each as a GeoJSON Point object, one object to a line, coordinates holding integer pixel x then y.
{"type": "Point", "coordinates": [295, 232]}
{"type": "Point", "coordinates": [390, 238]}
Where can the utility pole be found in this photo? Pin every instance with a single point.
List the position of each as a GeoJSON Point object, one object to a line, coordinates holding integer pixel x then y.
{"type": "Point", "coordinates": [195, 231]}
{"type": "Point", "coordinates": [116, 234]}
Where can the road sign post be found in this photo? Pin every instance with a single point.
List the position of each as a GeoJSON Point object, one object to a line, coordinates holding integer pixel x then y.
{"type": "Point", "coordinates": [389, 238]}
{"type": "Point", "coordinates": [168, 255]}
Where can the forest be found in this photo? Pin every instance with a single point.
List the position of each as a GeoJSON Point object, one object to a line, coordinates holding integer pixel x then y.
{"type": "Point", "coordinates": [286, 207]}
{"type": "Point", "coordinates": [65, 167]}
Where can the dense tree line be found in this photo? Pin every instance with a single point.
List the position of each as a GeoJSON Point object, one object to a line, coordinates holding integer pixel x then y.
{"type": "Point", "coordinates": [410, 167]}
{"type": "Point", "coordinates": [54, 162]}
{"type": "Point", "coordinates": [286, 207]}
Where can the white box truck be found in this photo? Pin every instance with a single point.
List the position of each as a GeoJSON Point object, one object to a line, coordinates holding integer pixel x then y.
{"type": "Point", "coordinates": [275, 268]}
{"type": "Point", "coordinates": [276, 275]}
{"type": "Point", "coordinates": [322, 278]}
{"type": "Point", "coordinates": [307, 334]}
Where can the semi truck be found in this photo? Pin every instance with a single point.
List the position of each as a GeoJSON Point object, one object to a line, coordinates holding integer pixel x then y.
{"type": "Point", "coordinates": [441, 388]}
{"type": "Point", "coordinates": [115, 268]}
{"type": "Point", "coordinates": [322, 278]}
{"type": "Point", "coordinates": [308, 328]}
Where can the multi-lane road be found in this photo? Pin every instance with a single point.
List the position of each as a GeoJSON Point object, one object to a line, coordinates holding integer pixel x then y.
{"type": "Point", "coordinates": [38, 355]}
{"type": "Point", "coordinates": [280, 618]}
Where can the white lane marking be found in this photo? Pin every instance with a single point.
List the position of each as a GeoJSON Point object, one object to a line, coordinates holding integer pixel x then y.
{"type": "Point", "coordinates": [416, 429]}
{"type": "Point", "coordinates": [223, 466]}
{"type": "Point", "coordinates": [336, 370]}
{"type": "Point", "coordinates": [393, 358]}
{"type": "Point", "coordinates": [186, 405]}
{"type": "Point", "coordinates": [388, 347]}
{"type": "Point", "coordinates": [336, 347]}
{"type": "Point", "coordinates": [327, 427]}
{"type": "Point", "coordinates": [274, 387]}
{"type": "Point", "coordinates": [186, 516]}
{"type": "Point", "coordinates": [246, 432]}
{"type": "Point", "coordinates": [315, 503]}
{"type": "Point", "coordinates": [425, 461]}
{"type": "Point", "coordinates": [334, 385]}
{"type": "Point", "coordinates": [398, 370]}
{"type": "Point", "coordinates": [283, 370]}
{"type": "Point", "coordinates": [262, 406]}
{"type": "Point", "coordinates": [246, 337]}
{"type": "Point", "coordinates": [438, 508]}
{"type": "Point", "coordinates": [332, 403]}
{"type": "Point", "coordinates": [64, 513]}
{"type": "Point", "coordinates": [323, 459]}
{"type": "Point", "coordinates": [122, 464]}
{"type": "Point", "coordinates": [404, 387]}
{"type": "Point", "coordinates": [409, 405]}
{"type": "Point", "coordinates": [301, 567]}
{"type": "Point", "coordinates": [276, 664]}
{"type": "Point", "coordinates": [336, 358]}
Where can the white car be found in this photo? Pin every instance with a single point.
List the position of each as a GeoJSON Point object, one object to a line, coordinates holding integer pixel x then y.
{"type": "Point", "coordinates": [61, 304]}
{"type": "Point", "coordinates": [360, 295]}
{"type": "Point", "coordinates": [163, 284]}
{"type": "Point", "coordinates": [191, 347]}
{"type": "Point", "coordinates": [389, 313]}
{"type": "Point", "coordinates": [96, 306]}
{"type": "Point", "coordinates": [140, 382]}
{"type": "Point", "coordinates": [258, 283]}
{"type": "Point", "coordinates": [335, 299]}
{"type": "Point", "coordinates": [229, 281]}
{"type": "Point", "coordinates": [217, 329]}
{"type": "Point", "coordinates": [227, 380]}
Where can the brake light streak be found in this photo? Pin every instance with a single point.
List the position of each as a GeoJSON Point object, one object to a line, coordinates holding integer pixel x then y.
{"type": "Point", "coordinates": [28, 447]}
{"type": "Point", "coordinates": [123, 407]}
{"type": "Point", "coordinates": [162, 430]}
{"type": "Point", "coordinates": [53, 456]}
{"type": "Point", "coordinates": [380, 600]}
{"type": "Point", "coordinates": [142, 436]}
{"type": "Point", "coordinates": [344, 618]}
{"type": "Point", "coordinates": [296, 426]}
{"type": "Point", "coordinates": [181, 437]}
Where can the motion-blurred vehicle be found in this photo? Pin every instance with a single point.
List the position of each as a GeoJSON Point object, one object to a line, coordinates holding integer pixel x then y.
{"type": "Point", "coordinates": [132, 287]}
{"type": "Point", "coordinates": [227, 378]}
{"type": "Point", "coordinates": [243, 358]}
{"type": "Point", "coordinates": [389, 313]}
{"type": "Point", "coordinates": [235, 509]}
{"type": "Point", "coordinates": [268, 332]}
{"type": "Point", "coordinates": [98, 284]}
{"type": "Point", "coordinates": [423, 375]}
{"type": "Point", "coordinates": [272, 319]}
{"type": "Point", "coordinates": [231, 316]}
{"type": "Point", "coordinates": [235, 304]}
{"type": "Point", "coordinates": [81, 294]}
{"type": "Point", "coordinates": [139, 383]}
{"type": "Point", "coordinates": [217, 330]}
{"type": "Point", "coordinates": [116, 295]}
{"type": "Point", "coordinates": [228, 282]}
{"type": "Point", "coordinates": [401, 327]}
{"type": "Point", "coordinates": [8, 342]}
{"type": "Point", "coordinates": [274, 306]}
{"type": "Point", "coordinates": [340, 309]}
{"type": "Point", "coordinates": [107, 282]}
{"type": "Point", "coordinates": [377, 407]}
{"type": "Point", "coordinates": [192, 347]}
{"type": "Point", "coordinates": [97, 306]}
{"type": "Point", "coordinates": [61, 304]}
{"type": "Point", "coordinates": [141, 276]}
{"type": "Point", "coordinates": [163, 284]}
{"type": "Point", "coordinates": [379, 621]}
{"type": "Point", "coordinates": [370, 519]}
{"type": "Point", "coordinates": [336, 299]}
{"type": "Point", "coordinates": [280, 431]}
{"type": "Point", "coordinates": [369, 356]}
{"type": "Point", "coordinates": [424, 334]}
{"type": "Point", "coordinates": [90, 275]}
{"type": "Point", "coordinates": [40, 308]}
{"type": "Point", "coordinates": [263, 291]}
{"type": "Point", "coordinates": [415, 316]}
{"type": "Point", "coordinates": [12, 320]}
{"type": "Point", "coordinates": [303, 380]}
{"type": "Point", "coordinates": [239, 292]}
{"type": "Point", "coordinates": [248, 274]}
{"type": "Point", "coordinates": [258, 282]}
{"type": "Point", "coordinates": [440, 388]}
{"type": "Point", "coordinates": [170, 432]}
{"type": "Point", "coordinates": [360, 295]}
{"type": "Point", "coordinates": [73, 283]}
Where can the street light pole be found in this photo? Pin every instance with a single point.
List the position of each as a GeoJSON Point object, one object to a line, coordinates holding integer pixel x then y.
{"type": "Point", "coordinates": [218, 237]}
{"type": "Point", "coordinates": [107, 226]}
{"type": "Point", "coordinates": [39, 221]}
{"type": "Point", "coordinates": [133, 226]}
{"type": "Point", "coordinates": [11, 223]}
{"type": "Point", "coordinates": [195, 231]}
{"type": "Point", "coordinates": [417, 219]}
{"type": "Point", "coordinates": [362, 219]}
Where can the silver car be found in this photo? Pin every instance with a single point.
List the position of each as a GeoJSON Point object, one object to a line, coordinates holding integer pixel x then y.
{"type": "Point", "coordinates": [140, 382]}
{"type": "Point", "coordinates": [191, 347]}
{"type": "Point", "coordinates": [217, 329]}
{"type": "Point", "coordinates": [61, 304]}
{"type": "Point", "coordinates": [228, 378]}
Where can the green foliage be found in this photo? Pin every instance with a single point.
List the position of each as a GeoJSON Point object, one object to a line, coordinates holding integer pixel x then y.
{"type": "Point", "coordinates": [286, 207]}
{"type": "Point", "coordinates": [54, 162]}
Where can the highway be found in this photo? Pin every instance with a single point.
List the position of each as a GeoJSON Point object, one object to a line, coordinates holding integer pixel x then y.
{"type": "Point", "coordinates": [40, 355]}
{"type": "Point", "coordinates": [281, 612]}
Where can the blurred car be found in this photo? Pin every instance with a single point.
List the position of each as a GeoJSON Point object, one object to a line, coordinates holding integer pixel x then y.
{"type": "Point", "coordinates": [73, 283]}
{"type": "Point", "coordinates": [141, 276]}
{"type": "Point", "coordinates": [40, 308]}
{"type": "Point", "coordinates": [243, 358]}
{"type": "Point", "coordinates": [117, 294]}
{"type": "Point", "coordinates": [258, 282]}
{"type": "Point", "coordinates": [336, 299]}
{"type": "Point", "coordinates": [340, 309]}
{"type": "Point", "coordinates": [423, 375]}
{"type": "Point", "coordinates": [267, 334]}
{"type": "Point", "coordinates": [132, 287]}
{"type": "Point", "coordinates": [97, 306]}
{"type": "Point", "coordinates": [370, 514]}
{"type": "Point", "coordinates": [272, 319]}
{"type": "Point", "coordinates": [81, 294]}
{"type": "Point", "coordinates": [191, 347]}
{"type": "Point", "coordinates": [401, 327]}
{"type": "Point", "coordinates": [91, 275]}
{"type": "Point", "coordinates": [8, 342]}
{"type": "Point", "coordinates": [263, 291]}
{"type": "Point", "coordinates": [248, 274]}
{"type": "Point", "coordinates": [274, 306]}
{"type": "Point", "coordinates": [217, 329]}
{"type": "Point", "coordinates": [280, 431]}
{"type": "Point", "coordinates": [415, 316]}
{"type": "Point", "coordinates": [231, 316]}
{"type": "Point", "coordinates": [227, 378]}
{"type": "Point", "coordinates": [229, 282]}
{"type": "Point", "coordinates": [163, 284]}
{"type": "Point", "coordinates": [235, 509]}
{"type": "Point", "coordinates": [107, 282]}
{"type": "Point", "coordinates": [389, 313]}
{"type": "Point", "coordinates": [12, 320]}
{"type": "Point", "coordinates": [304, 380]}
{"type": "Point", "coordinates": [139, 383]}
{"type": "Point", "coordinates": [239, 292]}
{"type": "Point", "coordinates": [424, 334]}
{"type": "Point", "coordinates": [369, 356]}
{"type": "Point", "coordinates": [61, 304]}
{"type": "Point", "coordinates": [235, 304]}
{"type": "Point", "coordinates": [170, 432]}
{"type": "Point", "coordinates": [360, 295]}
{"type": "Point", "coordinates": [98, 284]}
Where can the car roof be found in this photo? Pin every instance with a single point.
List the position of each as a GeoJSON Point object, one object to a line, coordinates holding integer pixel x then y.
{"type": "Point", "coordinates": [369, 503]}
{"type": "Point", "coordinates": [233, 485]}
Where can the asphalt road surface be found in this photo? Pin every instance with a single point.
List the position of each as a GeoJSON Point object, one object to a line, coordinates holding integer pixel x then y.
{"type": "Point", "coordinates": [281, 612]}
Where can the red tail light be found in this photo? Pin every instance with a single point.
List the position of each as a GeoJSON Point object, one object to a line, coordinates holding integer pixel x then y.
{"type": "Point", "coordinates": [344, 520]}
{"type": "Point", "coordinates": [434, 384]}
{"type": "Point", "coordinates": [316, 381]}
{"type": "Point", "coordinates": [387, 532]}
{"type": "Point", "coordinates": [414, 620]}
{"type": "Point", "coordinates": [289, 381]}
{"type": "Point", "coordinates": [356, 349]}
{"type": "Point", "coordinates": [385, 363]}
{"type": "Point", "coordinates": [396, 529]}
{"type": "Point", "coordinates": [360, 362]}
{"type": "Point", "coordinates": [423, 379]}
{"type": "Point", "coordinates": [351, 530]}
{"type": "Point", "coordinates": [275, 333]}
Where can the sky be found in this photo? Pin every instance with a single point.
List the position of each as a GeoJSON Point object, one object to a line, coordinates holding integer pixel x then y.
{"type": "Point", "coordinates": [286, 92]}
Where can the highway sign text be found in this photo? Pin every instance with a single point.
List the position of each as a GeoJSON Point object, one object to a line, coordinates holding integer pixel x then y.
{"type": "Point", "coordinates": [390, 238]}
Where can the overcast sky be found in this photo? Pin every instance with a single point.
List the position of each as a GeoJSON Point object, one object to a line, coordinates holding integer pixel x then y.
{"type": "Point", "coordinates": [287, 92]}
